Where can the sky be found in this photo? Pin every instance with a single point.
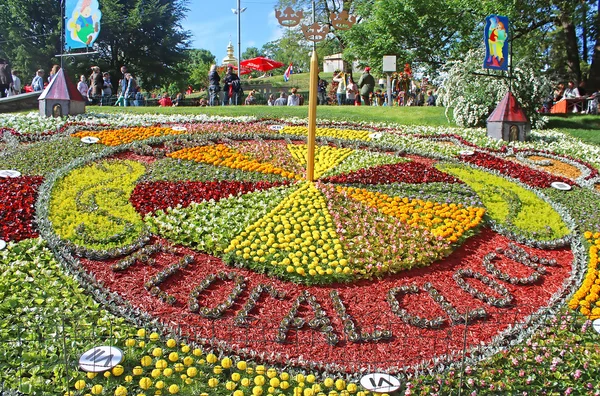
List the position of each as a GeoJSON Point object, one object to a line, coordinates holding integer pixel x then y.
{"type": "Point", "coordinates": [213, 24]}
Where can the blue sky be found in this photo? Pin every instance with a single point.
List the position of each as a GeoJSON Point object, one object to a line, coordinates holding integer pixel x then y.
{"type": "Point", "coordinates": [213, 25]}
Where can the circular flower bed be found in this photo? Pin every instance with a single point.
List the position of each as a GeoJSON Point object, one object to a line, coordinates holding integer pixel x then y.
{"type": "Point", "coordinates": [380, 264]}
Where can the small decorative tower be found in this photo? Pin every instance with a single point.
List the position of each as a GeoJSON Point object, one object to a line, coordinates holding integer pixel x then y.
{"type": "Point", "coordinates": [508, 121]}
{"type": "Point", "coordinates": [61, 98]}
{"type": "Point", "coordinates": [230, 59]}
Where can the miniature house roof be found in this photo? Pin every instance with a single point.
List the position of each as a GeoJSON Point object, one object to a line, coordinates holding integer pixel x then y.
{"type": "Point", "coordinates": [61, 88]}
{"type": "Point", "coordinates": [508, 110]}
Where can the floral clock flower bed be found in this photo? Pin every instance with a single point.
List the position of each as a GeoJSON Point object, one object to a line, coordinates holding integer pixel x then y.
{"type": "Point", "coordinates": [380, 264]}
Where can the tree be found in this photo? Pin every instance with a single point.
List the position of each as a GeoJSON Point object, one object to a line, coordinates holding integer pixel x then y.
{"type": "Point", "coordinates": [145, 35]}
{"type": "Point", "coordinates": [197, 66]}
{"type": "Point", "coordinates": [252, 52]}
{"type": "Point", "coordinates": [30, 34]}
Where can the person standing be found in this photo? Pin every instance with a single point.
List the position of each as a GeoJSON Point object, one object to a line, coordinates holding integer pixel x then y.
{"type": "Point", "coordinates": [107, 88]}
{"type": "Point", "coordinates": [37, 84]}
{"type": "Point", "coordinates": [83, 88]}
{"type": "Point", "coordinates": [123, 85]}
{"type": "Point", "coordinates": [294, 98]}
{"type": "Point", "coordinates": [232, 87]}
{"type": "Point", "coordinates": [6, 82]}
{"type": "Point", "coordinates": [340, 92]}
{"type": "Point", "coordinates": [96, 84]}
{"type": "Point", "coordinates": [214, 86]}
{"type": "Point", "coordinates": [16, 88]}
{"type": "Point", "coordinates": [351, 91]}
{"type": "Point", "coordinates": [322, 91]}
{"type": "Point", "coordinates": [130, 90]}
{"type": "Point", "coordinates": [53, 72]}
{"type": "Point", "coordinates": [366, 84]}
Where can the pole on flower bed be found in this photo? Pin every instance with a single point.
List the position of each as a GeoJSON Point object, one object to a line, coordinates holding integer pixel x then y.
{"type": "Point", "coordinates": [312, 116]}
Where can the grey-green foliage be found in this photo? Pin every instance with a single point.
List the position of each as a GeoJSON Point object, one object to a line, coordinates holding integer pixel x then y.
{"type": "Point", "coordinates": [43, 157]}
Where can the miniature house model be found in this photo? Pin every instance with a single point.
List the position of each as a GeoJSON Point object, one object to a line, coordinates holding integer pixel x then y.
{"type": "Point", "coordinates": [61, 98]}
{"type": "Point", "coordinates": [508, 121]}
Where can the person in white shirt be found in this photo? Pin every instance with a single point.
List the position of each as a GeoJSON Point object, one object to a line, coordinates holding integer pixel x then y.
{"type": "Point", "coordinates": [294, 98]}
{"type": "Point", "coordinates": [82, 87]}
{"type": "Point", "coordinates": [571, 91]}
{"type": "Point", "coordinates": [16, 88]}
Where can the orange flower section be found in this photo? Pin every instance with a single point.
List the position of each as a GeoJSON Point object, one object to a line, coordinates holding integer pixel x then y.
{"type": "Point", "coordinates": [558, 168]}
{"type": "Point", "coordinates": [449, 221]}
{"type": "Point", "coordinates": [586, 299]}
{"type": "Point", "coordinates": [116, 137]}
{"type": "Point", "coordinates": [221, 155]}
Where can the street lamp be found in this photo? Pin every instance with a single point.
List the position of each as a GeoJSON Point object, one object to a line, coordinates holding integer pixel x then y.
{"type": "Point", "coordinates": [238, 11]}
{"type": "Point", "coordinates": [315, 33]}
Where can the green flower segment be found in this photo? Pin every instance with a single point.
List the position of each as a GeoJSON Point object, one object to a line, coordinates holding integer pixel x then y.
{"type": "Point", "coordinates": [209, 226]}
{"type": "Point", "coordinates": [360, 159]}
{"type": "Point", "coordinates": [90, 206]}
{"type": "Point", "coordinates": [41, 158]}
{"type": "Point", "coordinates": [511, 205]}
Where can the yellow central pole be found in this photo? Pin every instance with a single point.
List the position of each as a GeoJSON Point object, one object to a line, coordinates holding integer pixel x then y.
{"type": "Point", "coordinates": [312, 116]}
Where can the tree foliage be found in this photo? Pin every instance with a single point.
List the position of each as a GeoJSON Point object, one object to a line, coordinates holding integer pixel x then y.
{"type": "Point", "coordinates": [145, 35]}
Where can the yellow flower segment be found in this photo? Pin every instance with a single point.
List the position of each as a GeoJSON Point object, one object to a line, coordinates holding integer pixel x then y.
{"type": "Point", "coordinates": [449, 221]}
{"type": "Point", "coordinates": [587, 298]}
{"type": "Point", "coordinates": [116, 137]}
{"type": "Point", "coordinates": [326, 157]}
{"type": "Point", "coordinates": [349, 134]}
{"type": "Point", "coordinates": [221, 155]}
{"type": "Point", "coordinates": [297, 241]}
{"type": "Point", "coordinates": [195, 370]}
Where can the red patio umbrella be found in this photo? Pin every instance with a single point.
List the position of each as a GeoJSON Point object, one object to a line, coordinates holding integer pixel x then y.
{"type": "Point", "coordinates": [245, 70]}
{"type": "Point", "coordinates": [261, 64]}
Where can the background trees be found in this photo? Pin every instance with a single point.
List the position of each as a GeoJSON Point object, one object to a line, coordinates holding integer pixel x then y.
{"type": "Point", "coordinates": [145, 35]}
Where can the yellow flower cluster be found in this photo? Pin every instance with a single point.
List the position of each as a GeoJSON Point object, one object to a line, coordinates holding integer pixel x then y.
{"type": "Point", "coordinates": [221, 155]}
{"type": "Point", "coordinates": [586, 299]}
{"type": "Point", "coordinates": [449, 221]}
{"type": "Point", "coordinates": [175, 368]}
{"type": "Point", "coordinates": [116, 137]}
{"type": "Point", "coordinates": [298, 238]}
{"type": "Point", "coordinates": [326, 157]}
{"type": "Point", "coordinates": [348, 134]}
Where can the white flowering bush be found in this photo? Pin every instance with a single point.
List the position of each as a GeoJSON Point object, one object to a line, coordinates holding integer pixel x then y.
{"type": "Point", "coordinates": [473, 96]}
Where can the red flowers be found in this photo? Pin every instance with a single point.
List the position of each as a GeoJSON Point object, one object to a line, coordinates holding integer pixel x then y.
{"type": "Point", "coordinates": [17, 207]}
{"type": "Point", "coordinates": [526, 175]}
{"type": "Point", "coordinates": [405, 172]}
{"type": "Point", "coordinates": [152, 196]}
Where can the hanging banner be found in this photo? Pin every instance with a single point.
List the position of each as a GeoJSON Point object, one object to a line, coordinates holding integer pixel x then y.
{"type": "Point", "coordinates": [83, 23]}
{"type": "Point", "coordinates": [495, 37]}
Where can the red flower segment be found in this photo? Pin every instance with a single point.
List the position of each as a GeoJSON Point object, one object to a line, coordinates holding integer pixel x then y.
{"type": "Point", "coordinates": [17, 207]}
{"type": "Point", "coordinates": [151, 196]}
{"type": "Point", "coordinates": [401, 320]}
{"type": "Point", "coordinates": [526, 175]}
{"type": "Point", "coordinates": [404, 172]}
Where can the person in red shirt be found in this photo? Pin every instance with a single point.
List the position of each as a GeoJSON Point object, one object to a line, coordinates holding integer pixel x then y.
{"type": "Point", "coordinates": [165, 101]}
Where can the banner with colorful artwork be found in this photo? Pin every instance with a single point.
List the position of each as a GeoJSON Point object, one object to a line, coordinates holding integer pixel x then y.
{"type": "Point", "coordinates": [83, 23]}
{"type": "Point", "coordinates": [496, 41]}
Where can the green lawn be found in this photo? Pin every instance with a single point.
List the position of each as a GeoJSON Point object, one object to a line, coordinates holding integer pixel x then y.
{"type": "Point", "coordinates": [584, 127]}
{"type": "Point", "coordinates": [402, 115]}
